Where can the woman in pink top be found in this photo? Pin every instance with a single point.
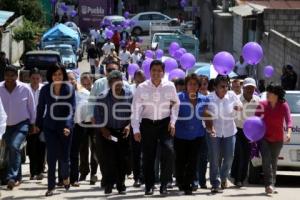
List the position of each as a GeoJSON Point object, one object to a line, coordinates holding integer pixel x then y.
{"type": "Point", "coordinates": [274, 112]}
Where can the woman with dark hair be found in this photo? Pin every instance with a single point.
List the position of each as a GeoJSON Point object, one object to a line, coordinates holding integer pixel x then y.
{"type": "Point", "coordinates": [221, 138]}
{"type": "Point", "coordinates": [274, 111]}
{"type": "Point", "coordinates": [190, 133]}
{"type": "Point", "coordinates": [55, 114]}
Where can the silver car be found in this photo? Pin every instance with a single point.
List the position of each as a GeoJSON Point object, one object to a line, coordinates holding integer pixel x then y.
{"type": "Point", "coordinates": [142, 21]}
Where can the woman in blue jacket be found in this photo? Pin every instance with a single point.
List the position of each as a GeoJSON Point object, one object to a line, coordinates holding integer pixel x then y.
{"type": "Point", "coordinates": [190, 133]}
{"type": "Point", "coordinates": [55, 114]}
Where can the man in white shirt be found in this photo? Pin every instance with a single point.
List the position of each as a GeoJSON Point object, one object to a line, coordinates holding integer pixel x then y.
{"type": "Point", "coordinates": [136, 56]}
{"type": "Point", "coordinates": [124, 56]}
{"type": "Point", "coordinates": [107, 47]}
{"type": "Point", "coordinates": [35, 147]}
{"type": "Point", "coordinates": [154, 113]}
{"type": "Point", "coordinates": [241, 159]}
{"type": "Point", "coordinates": [223, 106]}
{"type": "Point", "coordinates": [242, 68]}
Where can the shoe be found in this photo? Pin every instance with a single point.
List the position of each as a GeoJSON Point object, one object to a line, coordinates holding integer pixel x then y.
{"type": "Point", "coordinates": [224, 185]}
{"type": "Point", "coordinates": [137, 183]}
{"type": "Point", "coordinates": [10, 184]}
{"type": "Point", "coordinates": [82, 177]}
{"type": "Point", "coordinates": [203, 187]}
{"type": "Point", "coordinates": [93, 180]}
{"type": "Point", "coordinates": [269, 190]}
{"type": "Point", "coordinates": [149, 191]}
{"type": "Point", "coordinates": [60, 184]}
{"type": "Point", "coordinates": [66, 183]}
{"type": "Point", "coordinates": [169, 186]}
{"type": "Point", "coordinates": [122, 189]}
{"type": "Point", "coordinates": [108, 190]}
{"type": "Point", "coordinates": [40, 177]}
{"type": "Point", "coordinates": [49, 193]}
{"type": "Point", "coordinates": [194, 187]}
{"type": "Point", "coordinates": [75, 184]}
{"type": "Point", "coordinates": [33, 178]}
{"type": "Point", "coordinates": [163, 190]}
{"type": "Point", "coordinates": [188, 192]}
{"type": "Point", "coordinates": [17, 183]}
{"type": "Point", "coordinates": [216, 190]}
{"type": "Point", "coordinates": [238, 184]}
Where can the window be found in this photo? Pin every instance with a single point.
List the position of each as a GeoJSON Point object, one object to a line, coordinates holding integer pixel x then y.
{"type": "Point", "coordinates": [158, 17]}
{"type": "Point", "coordinates": [144, 17]}
{"type": "Point", "coordinates": [294, 102]}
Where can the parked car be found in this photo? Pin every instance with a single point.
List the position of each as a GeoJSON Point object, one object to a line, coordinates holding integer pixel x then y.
{"type": "Point", "coordinates": [189, 42]}
{"type": "Point", "coordinates": [114, 19]}
{"type": "Point", "coordinates": [68, 57]}
{"type": "Point", "coordinates": [142, 21]}
{"type": "Point", "coordinates": [41, 60]}
{"type": "Point", "coordinates": [289, 158]}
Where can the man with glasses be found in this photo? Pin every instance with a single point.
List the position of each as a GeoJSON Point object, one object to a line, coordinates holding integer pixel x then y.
{"type": "Point", "coordinates": [99, 87]}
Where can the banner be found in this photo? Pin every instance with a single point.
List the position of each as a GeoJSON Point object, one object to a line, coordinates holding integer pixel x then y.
{"type": "Point", "coordinates": [91, 13]}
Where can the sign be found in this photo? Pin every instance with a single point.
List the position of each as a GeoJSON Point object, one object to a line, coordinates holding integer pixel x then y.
{"type": "Point", "coordinates": [91, 13]}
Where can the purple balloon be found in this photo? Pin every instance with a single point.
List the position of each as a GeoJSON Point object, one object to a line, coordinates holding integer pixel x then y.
{"type": "Point", "coordinates": [187, 60]}
{"type": "Point", "coordinates": [252, 53]}
{"type": "Point", "coordinates": [132, 68]}
{"type": "Point", "coordinates": [183, 3]}
{"type": "Point", "coordinates": [174, 46]}
{"type": "Point", "coordinates": [126, 14]}
{"type": "Point", "coordinates": [170, 64]}
{"type": "Point", "coordinates": [268, 71]}
{"type": "Point", "coordinates": [149, 54]}
{"type": "Point", "coordinates": [178, 54]}
{"type": "Point", "coordinates": [73, 13]}
{"type": "Point", "coordinates": [183, 50]}
{"type": "Point", "coordinates": [223, 62]}
{"type": "Point", "coordinates": [109, 34]}
{"type": "Point", "coordinates": [131, 23]}
{"type": "Point", "coordinates": [254, 128]}
{"type": "Point", "coordinates": [176, 73]}
{"type": "Point", "coordinates": [159, 53]}
{"type": "Point", "coordinates": [106, 22]}
{"type": "Point", "coordinates": [146, 67]}
{"type": "Point", "coordinates": [64, 7]}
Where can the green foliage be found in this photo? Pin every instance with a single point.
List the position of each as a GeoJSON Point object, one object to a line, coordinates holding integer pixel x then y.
{"type": "Point", "coordinates": [30, 33]}
{"type": "Point", "coordinates": [31, 9]}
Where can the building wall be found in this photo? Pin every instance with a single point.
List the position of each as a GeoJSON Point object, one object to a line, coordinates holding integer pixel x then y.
{"type": "Point", "coordinates": [13, 49]}
{"type": "Point", "coordinates": [285, 21]}
{"type": "Point", "coordinates": [279, 50]}
{"type": "Point", "coordinates": [237, 35]}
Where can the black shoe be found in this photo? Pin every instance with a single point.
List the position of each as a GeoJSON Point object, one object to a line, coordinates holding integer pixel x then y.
{"type": "Point", "coordinates": [11, 184]}
{"type": "Point", "coordinates": [122, 189]}
{"type": "Point", "coordinates": [203, 187]}
{"type": "Point", "coordinates": [216, 190]}
{"type": "Point", "coordinates": [163, 190]}
{"type": "Point", "coordinates": [169, 186]}
{"type": "Point", "coordinates": [49, 193]}
{"type": "Point", "coordinates": [238, 184]}
{"type": "Point", "coordinates": [93, 180]}
{"type": "Point", "coordinates": [194, 187]}
{"type": "Point", "coordinates": [149, 191]}
{"type": "Point", "coordinates": [108, 190]}
{"type": "Point", "coordinates": [137, 183]}
{"type": "Point", "coordinates": [188, 192]}
{"type": "Point", "coordinates": [82, 177]}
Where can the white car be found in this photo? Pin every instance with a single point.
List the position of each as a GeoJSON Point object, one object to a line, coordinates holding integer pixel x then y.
{"type": "Point", "coordinates": [142, 21]}
{"type": "Point", "coordinates": [289, 157]}
{"type": "Point", "coordinates": [114, 19]}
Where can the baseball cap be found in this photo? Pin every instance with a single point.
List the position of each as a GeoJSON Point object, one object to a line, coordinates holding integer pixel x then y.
{"type": "Point", "coordinates": [249, 82]}
{"type": "Point", "coordinates": [136, 49]}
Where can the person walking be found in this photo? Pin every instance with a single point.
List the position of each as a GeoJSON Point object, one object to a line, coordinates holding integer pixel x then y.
{"type": "Point", "coordinates": [275, 112]}
{"type": "Point", "coordinates": [190, 133]}
{"type": "Point", "coordinates": [224, 106]}
{"type": "Point", "coordinates": [154, 114]}
{"type": "Point", "coordinates": [92, 55]}
{"type": "Point", "coordinates": [36, 148]}
{"type": "Point", "coordinates": [114, 127]}
{"type": "Point", "coordinates": [18, 103]}
{"type": "Point", "coordinates": [241, 159]}
{"type": "Point", "coordinates": [55, 117]}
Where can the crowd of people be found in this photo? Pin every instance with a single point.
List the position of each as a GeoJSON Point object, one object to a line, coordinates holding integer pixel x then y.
{"type": "Point", "coordinates": [155, 129]}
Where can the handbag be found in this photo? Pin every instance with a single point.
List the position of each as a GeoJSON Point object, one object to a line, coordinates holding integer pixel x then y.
{"type": "Point", "coordinates": [255, 155]}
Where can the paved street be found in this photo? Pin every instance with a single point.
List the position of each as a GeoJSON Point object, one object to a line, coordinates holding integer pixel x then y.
{"type": "Point", "coordinates": [288, 187]}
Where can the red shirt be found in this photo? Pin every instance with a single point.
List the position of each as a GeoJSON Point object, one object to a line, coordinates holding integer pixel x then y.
{"type": "Point", "coordinates": [274, 119]}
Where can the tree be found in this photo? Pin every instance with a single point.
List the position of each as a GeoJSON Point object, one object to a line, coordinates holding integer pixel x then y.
{"type": "Point", "coordinates": [31, 9]}
{"type": "Point", "coordinates": [30, 33]}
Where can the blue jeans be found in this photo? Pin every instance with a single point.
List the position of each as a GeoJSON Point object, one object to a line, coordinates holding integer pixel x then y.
{"type": "Point", "coordinates": [221, 152]}
{"type": "Point", "coordinates": [14, 137]}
